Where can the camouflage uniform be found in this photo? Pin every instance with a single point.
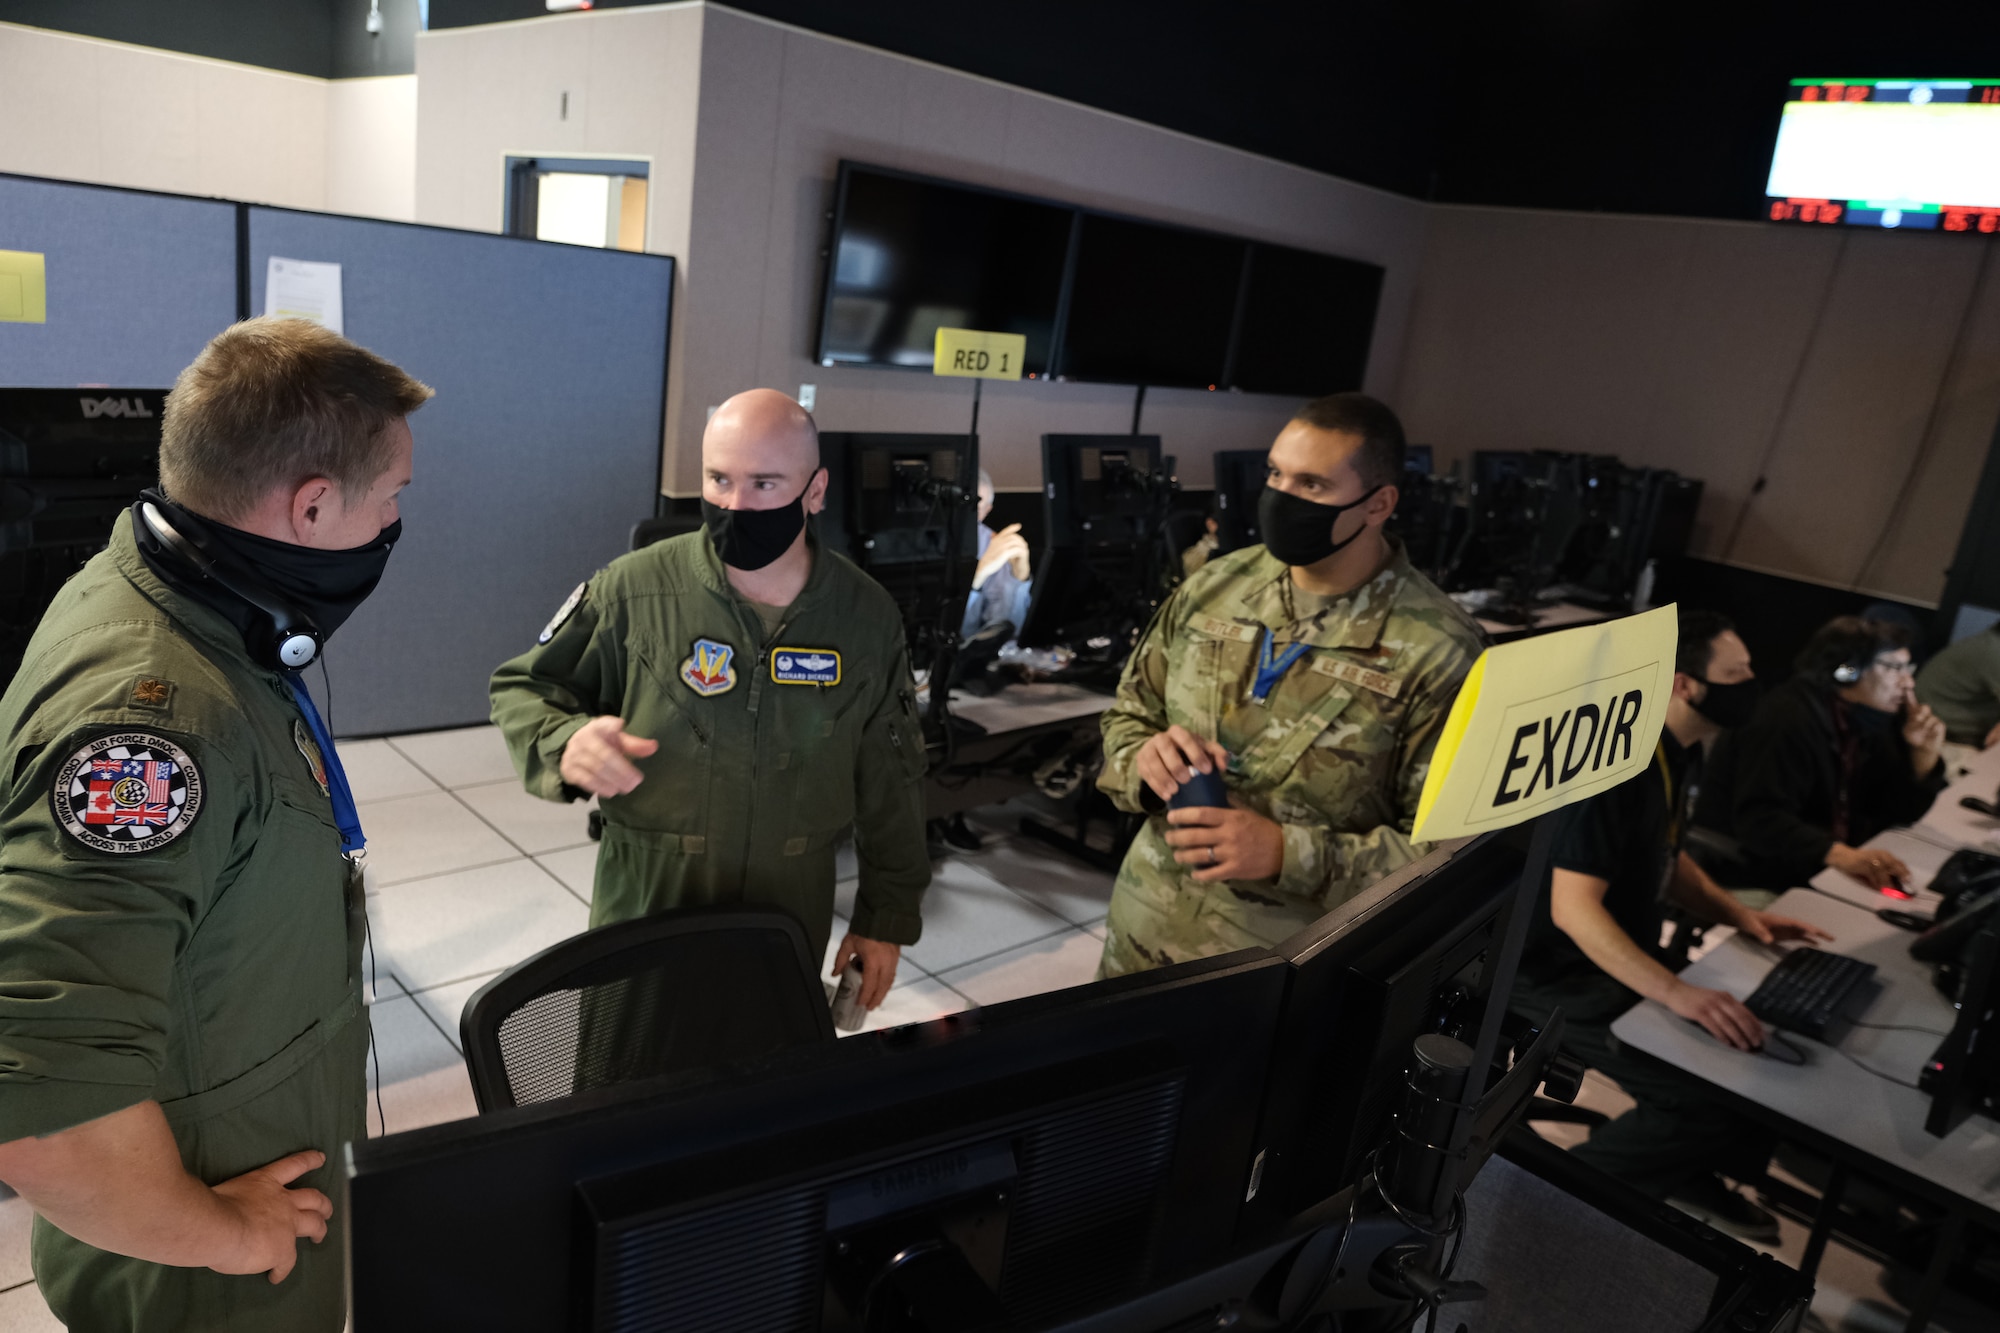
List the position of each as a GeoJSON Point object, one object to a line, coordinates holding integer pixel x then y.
{"type": "Point", "coordinates": [1336, 755]}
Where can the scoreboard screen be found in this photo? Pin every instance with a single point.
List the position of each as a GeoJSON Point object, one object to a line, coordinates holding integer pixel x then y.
{"type": "Point", "coordinates": [1908, 153]}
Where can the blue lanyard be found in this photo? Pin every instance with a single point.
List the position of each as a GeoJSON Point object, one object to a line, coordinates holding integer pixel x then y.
{"type": "Point", "coordinates": [1271, 667]}
{"type": "Point", "coordinates": [344, 813]}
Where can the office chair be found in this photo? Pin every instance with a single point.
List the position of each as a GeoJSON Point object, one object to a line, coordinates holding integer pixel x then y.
{"type": "Point", "coordinates": [676, 991]}
{"type": "Point", "coordinates": [662, 526]}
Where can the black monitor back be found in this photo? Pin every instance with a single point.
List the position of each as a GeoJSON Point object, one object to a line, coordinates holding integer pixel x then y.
{"type": "Point", "coordinates": [70, 461]}
{"type": "Point", "coordinates": [1239, 483]}
{"type": "Point", "coordinates": [1103, 490]}
{"type": "Point", "coordinates": [1408, 955]}
{"type": "Point", "coordinates": [887, 510]}
{"type": "Point", "coordinates": [1118, 1121]}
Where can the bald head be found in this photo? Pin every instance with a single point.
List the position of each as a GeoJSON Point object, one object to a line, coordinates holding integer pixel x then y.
{"type": "Point", "coordinates": [760, 451]}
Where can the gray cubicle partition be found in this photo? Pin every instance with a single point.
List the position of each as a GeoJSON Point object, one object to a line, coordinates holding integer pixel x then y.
{"type": "Point", "coordinates": [137, 282]}
{"type": "Point", "coordinates": [540, 451]}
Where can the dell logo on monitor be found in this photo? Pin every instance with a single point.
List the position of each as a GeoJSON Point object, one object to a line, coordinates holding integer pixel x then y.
{"type": "Point", "coordinates": [113, 407]}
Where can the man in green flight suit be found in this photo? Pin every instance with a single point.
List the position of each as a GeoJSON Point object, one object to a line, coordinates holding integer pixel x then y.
{"type": "Point", "coordinates": [1313, 674]}
{"type": "Point", "coordinates": [181, 1035]}
{"type": "Point", "coordinates": [737, 698]}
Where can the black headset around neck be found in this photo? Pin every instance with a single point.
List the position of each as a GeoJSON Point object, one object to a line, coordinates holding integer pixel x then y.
{"type": "Point", "coordinates": [287, 641]}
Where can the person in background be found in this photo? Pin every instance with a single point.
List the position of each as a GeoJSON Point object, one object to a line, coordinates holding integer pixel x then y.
{"type": "Point", "coordinates": [1000, 581]}
{"type": "Point", "coordinates": [1835, 755]}
{"type": "Point", "coordinates": [1962, 686]}
{"type": "Point", "coordinates": [1202, 549]}
{"type": "Point", "coordinates": [1312, 675]}
{"type": "Point", "coordinates": [1593, 950]}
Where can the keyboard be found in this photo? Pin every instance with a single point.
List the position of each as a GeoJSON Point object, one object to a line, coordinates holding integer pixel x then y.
{"type": "Point", "coordinates": [1805, 991]}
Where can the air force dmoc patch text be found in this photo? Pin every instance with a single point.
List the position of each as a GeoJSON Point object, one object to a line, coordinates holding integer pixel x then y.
{"type": "Point", "coordinates": [127, 792]}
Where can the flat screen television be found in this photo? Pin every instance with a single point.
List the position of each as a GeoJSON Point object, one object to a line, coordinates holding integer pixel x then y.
{"type": "Point", "coordinates": [1919, 154]}
{"type": "Point", "coordinates": [1151, 305]}
{"type": "Point", "coordinates": [1307, 322]}
{"type": "Point", "coordinates": [910, 255]}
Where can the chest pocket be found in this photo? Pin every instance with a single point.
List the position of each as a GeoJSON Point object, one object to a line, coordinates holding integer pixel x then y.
{"type": "Point", "coordinates": [674, 796]}
{"type": "Point", "coordinates": [1268, 739]}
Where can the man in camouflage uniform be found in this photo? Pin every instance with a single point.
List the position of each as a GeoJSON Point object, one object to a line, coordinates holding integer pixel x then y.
{"type": "Point", "coordinates": [1314, 674]}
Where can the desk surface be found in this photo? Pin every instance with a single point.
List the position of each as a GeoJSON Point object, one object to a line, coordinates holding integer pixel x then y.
{"type": "Point", "coordinates": [1955, 826]}
{"type": "Point", "coordinates": [1028, 705]}
{"type": "Point", "coordinates": [1924, 856]}
{"type": "Point", "coordinates": [1829, 1093]}
{"type": "Point", "coordinates": [1558, 615]}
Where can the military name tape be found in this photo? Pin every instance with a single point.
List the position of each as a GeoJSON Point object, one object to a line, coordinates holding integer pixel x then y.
{"type": "Point", "coordinates": [974, 354]}
{"type": "Point", "coordinates": [1549, 721]}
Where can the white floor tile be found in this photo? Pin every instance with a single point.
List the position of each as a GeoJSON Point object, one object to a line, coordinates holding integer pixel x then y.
{"type": "Point", "coordinates": [460, 757]}
{"type": "Point", "coordinates": [15, 1219]}
{"type": "Point", "coordinates": [529, 822]}
{"type": "Point", "coordinates": [576, 867]}
{"type": "Point", "coordinates": [23, 1310]}
{"type": "Point", "coordinates": [377, 982]}
{"type": "Point", "coordinates": [1069, 959]}
{"type": "Point", "coordinates": [411, 837]}
{"type": "Point", "coordinates": [917, 1000]}
{"type": "Point", "coordinates": [1100, 928]}
{"type": "Point", "coordinates": [1073, 891]}
{"type": "Point", "coordinates": [969, 915]}
{"type": "Point", "coordinates": [431, 931]}
{"type": "Point", "coordinates": [845, 866]}
{"type": "Point", "coordinates": [423, 1080]}
{"type": "Point", "coordinates": [843, 895]}
{"type": "Point", "coordinates": [376, 772]}
{"type": "Point", "coordinates": [446, 1004]}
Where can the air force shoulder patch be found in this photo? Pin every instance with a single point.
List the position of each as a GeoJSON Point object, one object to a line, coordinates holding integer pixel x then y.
{"type": "Point", "coordinates": [127, 792]}
{"type": "Point", "coordinates": [805, 666]}
{"type": "Point", "coordinates": [562, 614]}
{"type": "Point", "coordinates": [709, 668]}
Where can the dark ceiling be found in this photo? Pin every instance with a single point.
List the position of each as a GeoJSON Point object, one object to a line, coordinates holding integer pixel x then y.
{"type": "Point", "coordinates": [1573, 104]}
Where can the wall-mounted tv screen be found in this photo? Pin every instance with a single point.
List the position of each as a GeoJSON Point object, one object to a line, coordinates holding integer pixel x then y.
{"type": "Point", "coordinates": [911, 255]}
{"type": "Point", "coordinates": [1307, 322]}
{"type": "Point", "coordinates": [1906, 153]}
{"type": "Point", "coordinates": [1151, 304]}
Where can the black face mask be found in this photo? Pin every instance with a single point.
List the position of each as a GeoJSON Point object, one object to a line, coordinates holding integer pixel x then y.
{"type": "Point", "coordinates": [752, 538]}
{"type": "Point", "coordinates": [1300, 532]}
{"type": "Point", "coordinates": [327, 586]}
{"type": "Point", "coordinates": [1729, 706]}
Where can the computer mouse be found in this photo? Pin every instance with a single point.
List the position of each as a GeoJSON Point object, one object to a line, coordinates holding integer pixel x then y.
{"type": "Point", "coordinates": [1974, 803]}
{"type": "Point", "coordinates": [1905, 920]}
{"type": "Point", "coordinates": [1781, 1049]}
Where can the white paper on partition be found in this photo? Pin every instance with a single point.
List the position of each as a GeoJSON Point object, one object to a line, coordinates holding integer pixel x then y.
{"type": "Point", "coordinates": [303, 289]}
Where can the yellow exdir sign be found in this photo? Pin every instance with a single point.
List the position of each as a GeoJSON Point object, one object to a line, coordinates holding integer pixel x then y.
{"type": "Point", "coordinates": [23, 288]}
{"type": "Point", "coordinates": [977, 355]}
{"type": "Point", "coordinates": [1548, 721]}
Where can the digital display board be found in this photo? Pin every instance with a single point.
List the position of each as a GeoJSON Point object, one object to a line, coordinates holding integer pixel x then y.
{"type": "Point", "coordinates": [1906, 153]}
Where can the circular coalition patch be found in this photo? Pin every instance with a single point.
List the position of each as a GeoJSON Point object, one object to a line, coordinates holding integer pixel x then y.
{"type": "Point", "coordinates": [127, 792]}
{"type": "Point", "coordinates": [562, 614]}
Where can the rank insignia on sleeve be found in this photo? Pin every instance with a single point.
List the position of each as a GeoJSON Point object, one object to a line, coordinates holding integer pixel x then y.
{"type": "Point", "coordinates": [709, 668]}
{"type": "Point", "coordinates": [152, 692]}
{"type": "Point", "coordinates": [127, 792]}
{"type": "Point", "coordinates": [805, 666]}
{"type": "Point", "coordinates": [563, 612]}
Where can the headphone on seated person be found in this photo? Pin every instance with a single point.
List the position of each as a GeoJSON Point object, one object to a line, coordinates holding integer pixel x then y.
{"type": "Point", "coordinates": [1850, 671]}
{"type": "Point", "coordinates": [289, 641]}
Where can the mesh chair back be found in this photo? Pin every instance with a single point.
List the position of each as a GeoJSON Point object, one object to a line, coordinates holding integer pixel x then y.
{"type": "Point", "coordinates": [649, 530]}
{"type": "Point", "coordinates": [677, 991]}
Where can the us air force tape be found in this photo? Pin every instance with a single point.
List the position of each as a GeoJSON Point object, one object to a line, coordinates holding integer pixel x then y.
{"type": "Point", "coordinates": [127, 792]}
{"type": "Point", "coordinates": [1548, 721]}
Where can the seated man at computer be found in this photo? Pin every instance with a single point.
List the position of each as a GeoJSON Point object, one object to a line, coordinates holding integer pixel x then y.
{"type": "Point", "coordinates": [1312, 674]}
{"type": "Point", "coordinates": [1000, 586]}
{"type": "Point", "coordinates": [1835, 755]}
{"type": "Point", "coordinates": [1962, 686]}
{"type": "Point", "coordinates": [1593, 949]}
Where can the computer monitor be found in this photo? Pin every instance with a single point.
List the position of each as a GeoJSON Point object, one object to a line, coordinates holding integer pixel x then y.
{"type": "Point", "coordinates": [1963, 1075]}
{"type": "Point", "coordinates": [911, 254]}
{"type": "Point", "coordinates": [71, 460]}
{"type": "Point", "coordinates": [1024, 1163]}
{"type": "Point", "coordinates": [1521, 514]}
{"type": "Point", "coordinates": [1105, 568]}
{"type": "Point", "coordinates": [902, 507]}
{"type": "Point", "coordinates": [1239, 482]}
{"type": "Point", "coordinates": [1151, 304]}
{"type": "Point", "coordinates": [1415, 953]}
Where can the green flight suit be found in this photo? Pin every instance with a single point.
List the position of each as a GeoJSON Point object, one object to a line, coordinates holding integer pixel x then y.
{"type": "Point", "coordinates": [771, 746]}
{"type": "Point", "coordinates": [210, 962]}
{"type": "Point", "coordinates": [1336, 754]}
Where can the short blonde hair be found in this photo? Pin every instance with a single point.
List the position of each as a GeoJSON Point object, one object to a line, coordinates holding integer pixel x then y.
{"type": "Point", "coordinates": [277, 402]}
